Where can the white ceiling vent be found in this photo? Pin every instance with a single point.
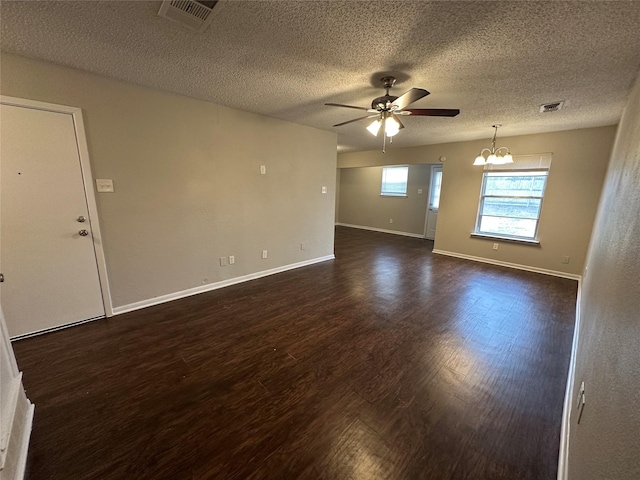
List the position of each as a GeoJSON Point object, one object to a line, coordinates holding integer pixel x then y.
{"type": "Point", "coordinates": [551, 107]}
{"type": "Point", "coordinates": [195, 15]}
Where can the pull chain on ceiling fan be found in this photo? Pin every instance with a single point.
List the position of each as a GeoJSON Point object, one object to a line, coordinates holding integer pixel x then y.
{"type": "Point", "coordinates": [387, 108]}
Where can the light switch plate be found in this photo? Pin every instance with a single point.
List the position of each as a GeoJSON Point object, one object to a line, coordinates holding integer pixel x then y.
{"type": "Point", "coordinates": [324, 189]}
{"type": "Point", "coordinates": [104, 185]}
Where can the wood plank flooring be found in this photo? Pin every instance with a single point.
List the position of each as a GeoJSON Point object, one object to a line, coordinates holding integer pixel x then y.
{"type": "Point", "coordinates": [387, 363]}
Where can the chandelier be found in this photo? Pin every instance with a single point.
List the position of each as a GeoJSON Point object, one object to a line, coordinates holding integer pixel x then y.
{"type": "Point", "coordinates": [495, 155]}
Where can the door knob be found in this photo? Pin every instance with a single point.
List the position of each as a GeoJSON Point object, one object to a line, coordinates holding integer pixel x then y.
{"type": "Point", "coordinates": [83, 233]}
{"type": "Point", "coordinates": [81, 219]}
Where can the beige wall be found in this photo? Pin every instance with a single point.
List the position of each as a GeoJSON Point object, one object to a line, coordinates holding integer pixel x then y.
{"type": "Point", "coordinates": [188, 188]}
{"type": "Point", "coordinates": [606, 443]}
{"type": "Point", "coordinates": [362, 205]}
{"type": "Point", "coordinates": [577, 172]}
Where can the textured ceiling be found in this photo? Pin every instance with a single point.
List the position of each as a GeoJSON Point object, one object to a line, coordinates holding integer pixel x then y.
{"type": "Point", "coordinates": [496, 61]}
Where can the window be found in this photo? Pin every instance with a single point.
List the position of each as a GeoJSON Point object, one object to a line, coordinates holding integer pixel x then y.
{"type": "Point", "coordinates": [394, 181]}
{"type": "Point", "coordinates": [436, 185]}
{"type": "Point", "coordinates": [510, 203]}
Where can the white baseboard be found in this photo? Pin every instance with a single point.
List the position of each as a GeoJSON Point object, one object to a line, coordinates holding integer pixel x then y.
{"type": "Point", "coordinates": [517, 266]}
{"type": "Point", "coordinates": [214, 286]}
{"type": "Point", "coordinates": [382, 230]}
{"type": "Point", "coordinates": [563, 457]}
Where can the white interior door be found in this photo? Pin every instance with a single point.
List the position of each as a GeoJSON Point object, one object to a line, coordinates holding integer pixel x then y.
{"type": "Point", "coordinates": [434, 202]}
{"type": "Point", "coordinates": [47, 254]}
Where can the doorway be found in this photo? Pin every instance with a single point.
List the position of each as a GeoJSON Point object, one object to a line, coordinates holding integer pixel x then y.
{"type": "Point", "coordinates": [433, 204]}
{"type": "Point", "coordinates": [51, 256]}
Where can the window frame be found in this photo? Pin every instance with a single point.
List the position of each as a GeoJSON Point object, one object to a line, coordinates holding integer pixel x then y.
{"type": "Point", "coordinates": [432, 184]}
{"type": "Point", "coordinates": [501, 236]}
{"type": "Point", "coordinates": [394, 194]}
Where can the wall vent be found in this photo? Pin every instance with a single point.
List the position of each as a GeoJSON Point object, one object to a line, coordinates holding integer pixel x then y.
{"type": "Point", "coordinates": [195, 15]}
{"type": "Point", "coordinates": [551, 107]}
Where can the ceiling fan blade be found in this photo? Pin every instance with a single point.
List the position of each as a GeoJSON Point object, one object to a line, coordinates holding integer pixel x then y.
{"type": "Point", "coordinates": [355, 120]}
{"type": "Point", "coordinates": [409, 97]}
{"type": "Point", "coordinates": [346, 106]}
{"type": "Point", "coordinates": [431, 112]}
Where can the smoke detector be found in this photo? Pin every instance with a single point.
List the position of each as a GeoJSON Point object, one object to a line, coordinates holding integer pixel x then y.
{"type": "Point", "coordinates": [551, 107]}
{"type": "Point", "coordinates": [192, 14]}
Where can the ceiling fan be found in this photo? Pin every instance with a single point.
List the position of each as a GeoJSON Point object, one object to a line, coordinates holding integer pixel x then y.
{"type": "Point", "coordinates": [387, 108]}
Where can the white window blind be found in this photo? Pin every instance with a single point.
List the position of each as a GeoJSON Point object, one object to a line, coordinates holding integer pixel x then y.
{"type": "Point", "coordinates": [394, 181]}
{"type": "Point", "coordinates": [511, 198]}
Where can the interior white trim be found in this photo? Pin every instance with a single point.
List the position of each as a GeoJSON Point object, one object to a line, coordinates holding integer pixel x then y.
{"type": "Point", "coordinates": [85, 168]}
{"type": "Point", "coordinates": [373, 229]}
{"type": "Point", "coordinates": [517, 266]}
{"type": "Point", "coordinates": [563, 457]}
{"type": "Point", "coordinates": [24, 443]}
{"type": "Point", "coordinates": [214, 286]}
{"type": "Point", "coordinates": [9, 410]}
{"type": "Point", "coordinates": [16, 417]}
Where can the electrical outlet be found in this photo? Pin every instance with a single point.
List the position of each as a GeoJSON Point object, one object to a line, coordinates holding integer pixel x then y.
{"type": "Point", "coordinates": [264, 254]}
{"type": "Point", "coordinates": [565, 259]}
{"type": "Point", "coordinates": [391, 220]}
{"type": "Point", "coordinates": [223, 261]}
{"type": "Point", "coordinates": [419, 191]}
{"type": "Point", "coordinates": [232, 259]}
{"type": "Point", "coordinates": [495, 246]}
{"type": "Point", "coordinates": [263, 169]}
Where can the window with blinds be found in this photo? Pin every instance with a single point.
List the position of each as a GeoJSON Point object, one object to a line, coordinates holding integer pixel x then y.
{"type": "Point", "coordinates": [511, 198]}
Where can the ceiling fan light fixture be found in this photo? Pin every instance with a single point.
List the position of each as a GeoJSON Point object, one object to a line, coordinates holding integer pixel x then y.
{"type": "Point", "coordinates": [374, 128]}
{"type": "Point", "coordinates": [386, 107]}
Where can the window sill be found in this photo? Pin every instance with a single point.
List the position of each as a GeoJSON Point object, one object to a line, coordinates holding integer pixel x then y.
{"type": "Point", "coordinates": [505, 239]}
{"type": "Point", "coordinates": [393, 196]}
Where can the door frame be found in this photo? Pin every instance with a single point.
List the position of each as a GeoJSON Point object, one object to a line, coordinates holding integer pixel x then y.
{"type": "Point", "coordinates": [432, 166]}
{"type": "Point", "coordinates": [87, 182]}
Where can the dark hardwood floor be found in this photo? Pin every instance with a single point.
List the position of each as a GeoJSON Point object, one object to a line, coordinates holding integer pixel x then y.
{"type": "Point", "coordinates": [387, 363]}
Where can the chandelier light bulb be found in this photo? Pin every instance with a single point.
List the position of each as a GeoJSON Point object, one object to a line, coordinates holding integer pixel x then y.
{"type": "Point", "coordinates": [508, 158]}
{"type": "Point", "coordinates": [479, 160]}
{"type": "Point", "coordinates": [491, 159]}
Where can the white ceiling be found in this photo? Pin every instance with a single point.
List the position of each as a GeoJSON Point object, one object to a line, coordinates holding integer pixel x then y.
{"type": "Point", "coordinates": [496, 61]}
